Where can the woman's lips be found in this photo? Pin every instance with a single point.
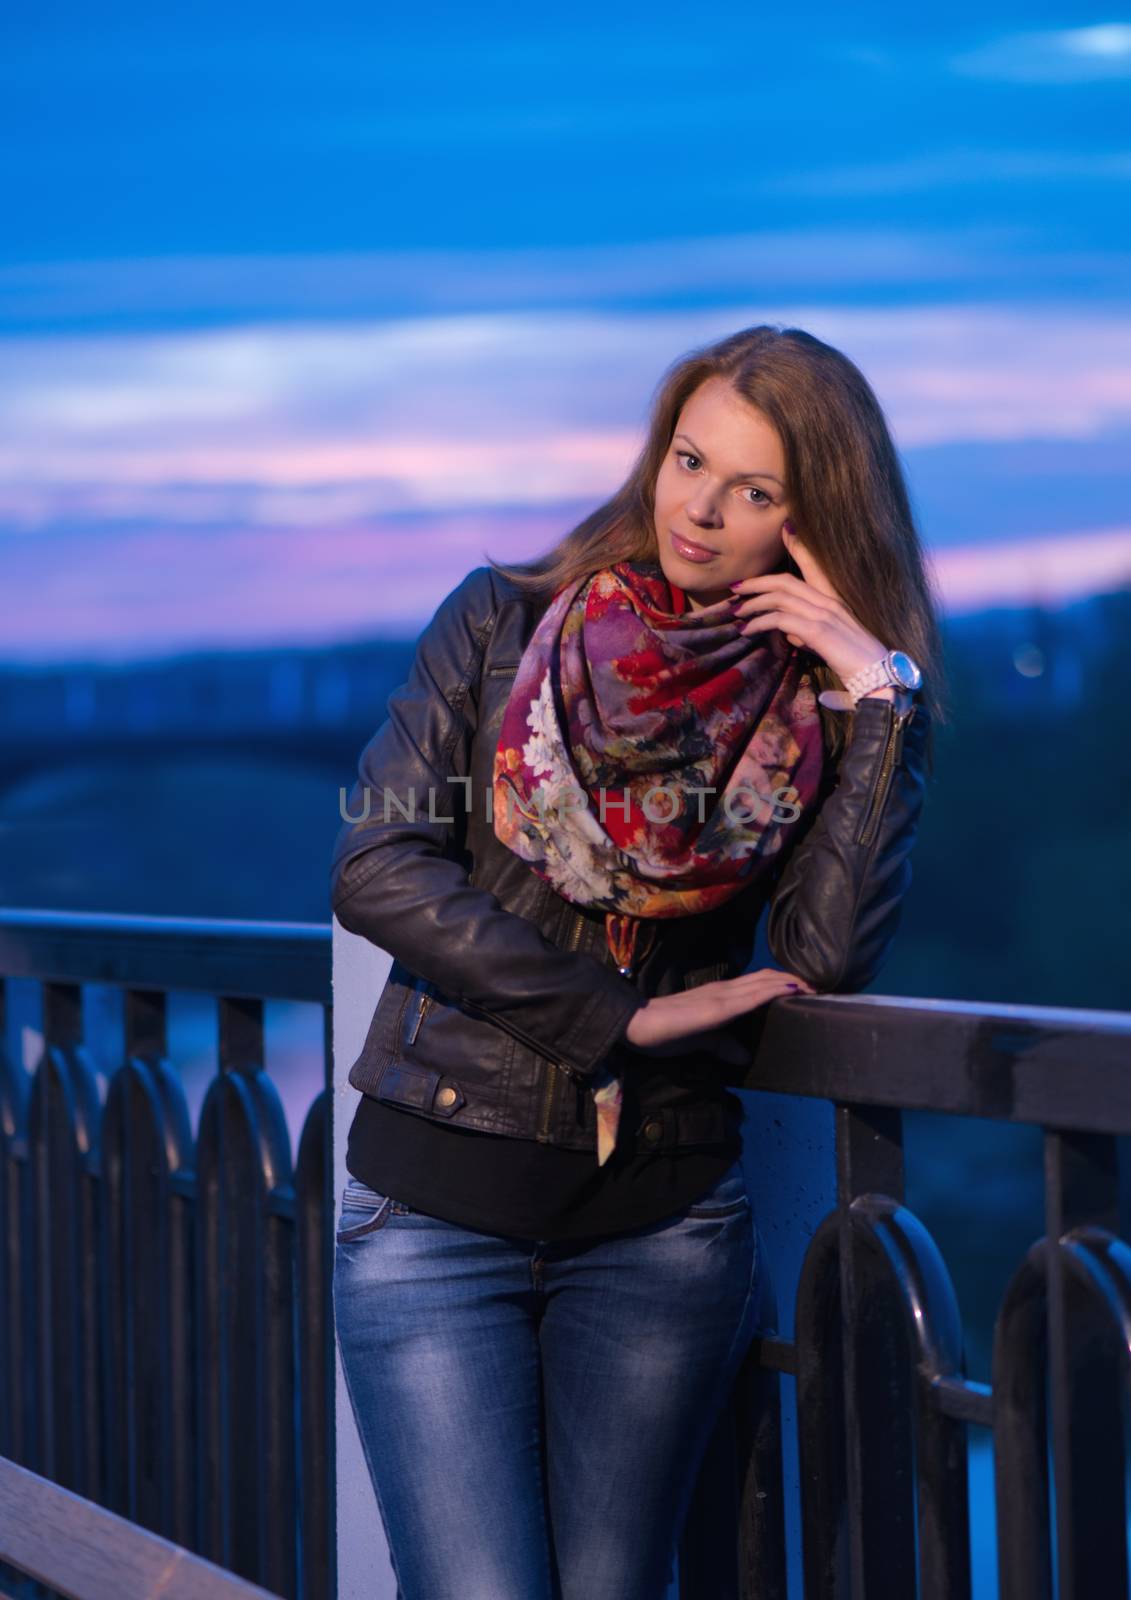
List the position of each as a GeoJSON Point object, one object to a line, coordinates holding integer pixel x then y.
{"type": "Point", "coordinates": [689, 550]}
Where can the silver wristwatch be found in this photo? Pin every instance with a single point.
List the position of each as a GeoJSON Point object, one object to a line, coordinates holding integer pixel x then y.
{"type": "Point", "coordinates": [895, 668]}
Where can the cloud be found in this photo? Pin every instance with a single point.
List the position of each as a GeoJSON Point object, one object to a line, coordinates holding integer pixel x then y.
{"type": "Point", "coordinates": [962, 167]}
{"type": "Point", "coordinates": [296, 423]}
{"type": "Point", "coordinates": [131, 594]}
{"type": "Point", "coordinates": [317, 480]}
{"type": "Point", "coordinates": [1066, 55]}
{"type": "Point", "coordinates": [1040, 572]}
{"type": "Point", "coordinates": [395, 286]}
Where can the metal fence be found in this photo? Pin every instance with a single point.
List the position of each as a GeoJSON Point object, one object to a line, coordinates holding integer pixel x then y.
{"type": "Point", "coordinates": [165, 1342]}
{"type": "Point", "coordinates": [166, 1338]}
{"type": "Point", "coordinates": [883, 1404]}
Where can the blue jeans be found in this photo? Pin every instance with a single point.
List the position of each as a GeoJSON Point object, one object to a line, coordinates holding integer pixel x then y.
{"type": "Point", "coordinates": [534, 1415]}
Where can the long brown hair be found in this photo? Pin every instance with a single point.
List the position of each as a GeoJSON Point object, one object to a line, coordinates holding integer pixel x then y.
{"type": "Point", "coordinates": [849, 499]}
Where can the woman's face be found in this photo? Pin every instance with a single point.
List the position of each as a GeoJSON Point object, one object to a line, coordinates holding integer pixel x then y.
{"type": "Point", "coordinates": [722, 486]}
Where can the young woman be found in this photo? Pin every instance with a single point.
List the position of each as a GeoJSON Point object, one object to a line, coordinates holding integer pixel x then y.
{"type": "Point", "coordinates": [712, 697]}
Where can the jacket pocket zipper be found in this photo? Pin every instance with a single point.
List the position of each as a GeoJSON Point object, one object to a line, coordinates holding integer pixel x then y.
{"type": "Point", "coordinates": [889, 760]}
{"type": "Point", "coordinates": [547, 1100]}
{"type": "Point", "coordinates": [572, 943]}
{"type": "Point", "coordinates": [421, 1010]}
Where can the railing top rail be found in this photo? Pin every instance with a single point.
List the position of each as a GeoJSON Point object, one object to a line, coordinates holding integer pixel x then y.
{"type": "Point", "coordinates": [80, 1548]}
{"type": "Point", "coordinates": [1048, 1065]}
{"type": "Point", "coordinates": [264, 960]}
{"type": "Point", "coordinates": [1118, 1022]}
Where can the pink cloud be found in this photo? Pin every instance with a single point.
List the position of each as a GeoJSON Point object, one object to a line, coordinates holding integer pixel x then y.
{"type": "Point", "coordinates": [1042, 572]}
{"type": "Point", "coordinates": [308, 482]}
{"type": "Point", "coordinates": [130, 593]}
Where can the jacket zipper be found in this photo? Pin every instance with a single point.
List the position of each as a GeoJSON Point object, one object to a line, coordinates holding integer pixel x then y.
{"type": "Point", "coordinates": [425, 1002]}
{"type": "Point", "coordinates": [543, 1134]}
{"type": "Point", "coordinates": [889, 760]}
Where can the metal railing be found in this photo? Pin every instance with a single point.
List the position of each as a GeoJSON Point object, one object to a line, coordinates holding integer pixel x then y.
{"type": "Point", "coordinates": [165, 1343]}
{"type": "Point", "coordinates": [90, 1553]}
{"type": "Point", "coordinates": [883, 1405]}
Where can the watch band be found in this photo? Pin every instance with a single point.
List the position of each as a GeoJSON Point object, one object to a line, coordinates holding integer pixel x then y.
{"type": "Point", "coordinates": [877, 676]}
{"type": "Point", "coordinates": [894, 668]}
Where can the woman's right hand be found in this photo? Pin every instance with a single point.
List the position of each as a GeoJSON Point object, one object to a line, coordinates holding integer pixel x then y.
{"type": "Point", "coordinates": [695, 1019]}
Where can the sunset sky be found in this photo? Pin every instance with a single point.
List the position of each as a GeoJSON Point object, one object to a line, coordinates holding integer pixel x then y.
{"type": "Point", "coordinates": [298, 323]}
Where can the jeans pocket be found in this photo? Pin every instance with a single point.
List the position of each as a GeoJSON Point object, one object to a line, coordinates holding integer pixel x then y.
{"type": "Point", "coordinates": [364, 1210]}
{"type": "Point", "coordinates": [725, 1198]}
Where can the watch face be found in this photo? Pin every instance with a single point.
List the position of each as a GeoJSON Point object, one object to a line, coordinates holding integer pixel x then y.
{"type": "Point", "coordinates": [905, 670]}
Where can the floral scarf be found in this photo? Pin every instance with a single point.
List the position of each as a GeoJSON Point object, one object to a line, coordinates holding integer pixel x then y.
{"type": "Point", "coordinates": [625, 704]}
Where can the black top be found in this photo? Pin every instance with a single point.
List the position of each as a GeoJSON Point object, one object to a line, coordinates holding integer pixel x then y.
{"type": "Point", "coordinates": [520, 1188]}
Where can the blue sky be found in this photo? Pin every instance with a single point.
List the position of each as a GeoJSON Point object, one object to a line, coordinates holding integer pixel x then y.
{"type": "Point", "coordinates": [300, 319]}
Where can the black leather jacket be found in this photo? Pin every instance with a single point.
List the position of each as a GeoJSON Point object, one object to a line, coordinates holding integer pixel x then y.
{"type": "Point", "coordinates": [503, 1000]}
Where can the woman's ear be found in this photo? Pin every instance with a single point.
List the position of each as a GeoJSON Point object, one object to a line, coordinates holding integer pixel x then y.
{"type": "Point", "coordinates": [789, 564]}
{"type": "Point", "coordinates": [786, 563]}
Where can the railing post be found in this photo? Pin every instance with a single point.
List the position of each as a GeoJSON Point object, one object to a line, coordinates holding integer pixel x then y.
{"type": "Point", "coordinates": [63, 1148]}
{"type": "Point", "coordinates": [878, 1409]}
{"type": "Point", "coordinates": [1087, 1376]}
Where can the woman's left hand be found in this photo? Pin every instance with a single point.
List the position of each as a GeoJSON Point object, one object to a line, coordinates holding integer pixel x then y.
{"type": "Point", "coordinates": [809, 612]}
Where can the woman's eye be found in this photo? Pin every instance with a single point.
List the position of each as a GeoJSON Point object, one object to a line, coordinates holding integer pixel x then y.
{"type": "Point", "coordinates": [687, 455]}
